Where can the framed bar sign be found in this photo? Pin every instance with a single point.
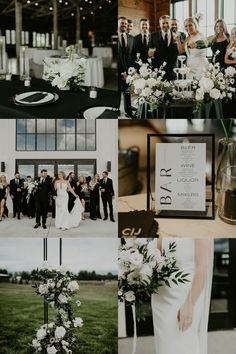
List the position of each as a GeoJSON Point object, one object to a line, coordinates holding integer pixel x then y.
{"type": "Point", "coordinates": [180, 175]}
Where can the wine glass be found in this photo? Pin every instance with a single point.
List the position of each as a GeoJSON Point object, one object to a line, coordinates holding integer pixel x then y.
{"type": "Point", "coordinates": [181, 58]}
{"type": "Point", "coordinates": [176, 71]}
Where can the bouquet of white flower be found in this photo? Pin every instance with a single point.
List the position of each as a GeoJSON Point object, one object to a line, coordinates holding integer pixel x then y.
{"type": "Point", "coordinates": [148, 84]}
{"type": "Point", "coordinates": [66, 73]}
{"type": "Point", "coordinates": [232, 52]}
{"type": "Point", "coordinates": [214, 85]}
{"type": "Point", "coordinates": [57, 286]}
{"type": "Point", "coordinates": [143, 269]}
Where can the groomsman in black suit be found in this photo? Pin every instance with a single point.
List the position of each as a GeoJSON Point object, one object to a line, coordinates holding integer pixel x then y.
{"type": "Point", "coordinates": [130, 27]}
{"type": "Point", "coordinates": [42, 197]}
{"type": "Point", "coordinates": [142, 40]}
{"type": "Point", "coordinates": [163, 48]}
{"type": "Point", "coordinates": [125, 60]}
{"type": "Point", "coordinates": [174, 24]}
{"type": "Point", "coordinates": [107, 194]}
{"type": "Point", "coordinates": [16, 189]}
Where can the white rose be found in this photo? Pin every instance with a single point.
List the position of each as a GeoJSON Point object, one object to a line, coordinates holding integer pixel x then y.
{"type": "Point", "coordinates": [144, 71]}
{"type": "Point", "coordinates": [73, 286]}
{"type": "Point", "coordinates": [206, 84]}
{"type": "Point", "coordinates": [60, 332]}
{"type": "Point", "coordinates": [151, 82]}
{"type": "Point", "coordinates": [136, 259]}
{"type": "Point", "coordinates": [43, 289]}
{"type": "Point", "coordinates": [51, 325]}
{"type": "Point", "coordinates": [78, 322]}
{"type": "Point", "coordinates": [146, 273]}
{"type": "Point", "coordinates": [146, 92]}
{"type": "Point", "coordinates": [230, 71]}
{"type": "Point", "coordinates": [133, 278]}
{"type": "Point", "coordinates": [215, 94]}
{"type": "Point", "coordinates": [129, 296]}
{"type": "Point", "coordinates": [41, 334]}
{"type": "Point", "coordinates": [63, 299]}
{"type": "Point", "coordinates": [129, 79]}
{"type": "Point", "coordinates": [51, 350]}
{"type": "Point", "coordinates": [158, 93]}
{"type": "Point", "coordinates": [35, 343]}
{"type": "Point", "coordinates": [229, 95]}
{"type": "Point", "coordinates": [139, 84]}
{"type": "Point", "coordinates": [199, 94]}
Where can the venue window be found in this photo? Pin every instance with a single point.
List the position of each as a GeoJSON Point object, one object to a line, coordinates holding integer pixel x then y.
{"type": "Point", "coordinates": [180, 11]}
{"type": "Point", "coordinates": [228, 12]}
{"type": "Point", "coordinates": [55, 135]}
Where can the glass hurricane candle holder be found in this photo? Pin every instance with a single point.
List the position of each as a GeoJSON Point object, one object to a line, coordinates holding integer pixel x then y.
{"type": "Point", "coordinates": [227, 199]}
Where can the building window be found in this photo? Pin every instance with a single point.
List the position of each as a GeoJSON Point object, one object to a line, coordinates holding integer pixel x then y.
{"type": "Point", "coordinates": [228, 13]}
{"type": "Point", "coordinates": [55, 135]}
{"type": "Point", "coordinates": [180, 11]}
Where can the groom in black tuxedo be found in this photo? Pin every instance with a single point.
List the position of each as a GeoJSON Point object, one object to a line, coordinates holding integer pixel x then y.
{"type": "Point", "coordinates": [163, 48]}
{"type": "Point", "coordinates": [125, 60]}
{"type": "Point", "coordinates": [107, 194]}
{"type": "Point", "coordinates": [141, 41]}
{"type": "Point", "coordinates": [16, 189]}
{"type": "Point", "coordinates": [42, 197]}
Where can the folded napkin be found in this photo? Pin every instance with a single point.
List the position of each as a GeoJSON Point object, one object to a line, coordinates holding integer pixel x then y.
{"type": "Point", "coordinates": [35, 97]}
{"type": "Point", "coordinates": [108, 113]}
{"type": "Point", "coordinates": [137, 224]}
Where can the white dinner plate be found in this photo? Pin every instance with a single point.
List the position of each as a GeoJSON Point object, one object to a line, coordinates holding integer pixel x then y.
{"type": "Point", "coordinates": [94, 112]}
{"type": "Point", "coordinates": [50, 97]}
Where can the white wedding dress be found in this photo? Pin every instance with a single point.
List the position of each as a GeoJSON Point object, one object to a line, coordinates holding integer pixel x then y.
{"type": "Point", "coordinates": [64, 219]}
{"type": "Point", "coordinates": [169, 339]}
{"type": "Point", "coordinates": [196, 58]}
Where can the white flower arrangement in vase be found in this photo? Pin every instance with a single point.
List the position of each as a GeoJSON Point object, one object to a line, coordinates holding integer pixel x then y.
{"type": "Point", "coordinates": [57, 286]}
{"type": "Point", "coordinates": [66, 73]}
{"type": "Point", "coordinates": [148, 84]}
{"type": "Point", "coordinates": [214, 85]}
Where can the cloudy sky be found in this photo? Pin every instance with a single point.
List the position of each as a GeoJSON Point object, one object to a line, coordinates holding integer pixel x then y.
{"type": "Point", "coordinates": [78, 254]}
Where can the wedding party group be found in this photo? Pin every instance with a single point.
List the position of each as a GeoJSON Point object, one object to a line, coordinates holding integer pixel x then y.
{"type": "Point", "coordinates": [66, 198]}
{"type": "Point", "coordinates": [162, 50]}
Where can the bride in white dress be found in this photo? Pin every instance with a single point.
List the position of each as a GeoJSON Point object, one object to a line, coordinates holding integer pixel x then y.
{"type": "Point", "coordinates": [196, 58]}
{"type": "Point", "coordinates": [65, 220]}
{"type": "Point", "coordinates": [180, 313]}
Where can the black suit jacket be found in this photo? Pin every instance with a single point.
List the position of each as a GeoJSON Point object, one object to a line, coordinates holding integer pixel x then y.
{"type": "Point", "coordinates": [14, 186]}
{"type": "Point", "coordinates": [126, 56]}
{"type": "Point", "coordinates": [140, 48]}
{"type": "Point", "coordinates": [109, 191]}
{"type": "Point", "coordinates": [164, 54]}
{"type": "Point", "coordinates": [44, 190]}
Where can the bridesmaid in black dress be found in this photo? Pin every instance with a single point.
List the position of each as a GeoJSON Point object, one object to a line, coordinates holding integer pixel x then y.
{"type": "Point", "coordinates": [71, 200]}
{"type": "Point", "coordinates": [79, 190]}
{"type": "Point", "coordinates": [95, 198]}
{"type": "Point", "coordinates": [4, 189]}
{"type": "Point", "coordinates": [230, 56]}
{"type": "Point", "coordinates": [220, 42]}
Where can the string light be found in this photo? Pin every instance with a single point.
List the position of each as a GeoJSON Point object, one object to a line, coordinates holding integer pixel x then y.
{"type": "Point", "coordinates": [100, 7]}
{"type": "Point", "coordinates": [84, 17]}
{"type": "Point", "coordinates": [60, 1]}
{"type": "Point", "coordinates": [66, 3]}
{"type": "Point", "coordinates": [36, 4]}
{"type": "Point", "coordinates": [28, 1]}
{"type": "Point", "coordinates": [91, 12]}
{"type": "Point", "coordinates": [50, 8]}
{"type": "Point", "coordinates": [81, 9]}
{"type": "Point", "coordinates": [72, 14]}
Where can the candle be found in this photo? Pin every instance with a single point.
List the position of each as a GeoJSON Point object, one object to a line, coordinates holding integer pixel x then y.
{"type": "Point", "coordinates": [27, 81]}
{"type": "Point", "coordinates": [93, 92]}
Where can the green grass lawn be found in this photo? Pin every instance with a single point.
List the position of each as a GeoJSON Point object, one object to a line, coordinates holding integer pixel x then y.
{"type": "Point", "coordinates": [21, 313]}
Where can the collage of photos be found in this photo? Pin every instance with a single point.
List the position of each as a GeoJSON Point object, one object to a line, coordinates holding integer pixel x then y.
{"type": "Point", "coordinates": [117, 177]}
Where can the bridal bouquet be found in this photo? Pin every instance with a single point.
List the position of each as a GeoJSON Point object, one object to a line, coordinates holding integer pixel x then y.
{"type": "Point", "coordinates": [68, 73]}
{"type": "Point", "coordinates": [148, 84]}
{"type": "Point", "coordinates": [232, 52]}
{"type": "Point", "coordinates": [57, 286]}
{"type": "Point", "coordinates": [214, 85]}
{"type": "Point", "coordinates": [143, 269]}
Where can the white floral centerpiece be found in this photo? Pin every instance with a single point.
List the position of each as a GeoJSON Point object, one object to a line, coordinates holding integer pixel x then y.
{"type": "Point", "coordinates": [57, 286]}
{"type": "Point", "coordinates": [148, 84]}
{"type": "Point", "coordinates": [214, 85]}
{"type": "Point", "coordinates": [66, 73]}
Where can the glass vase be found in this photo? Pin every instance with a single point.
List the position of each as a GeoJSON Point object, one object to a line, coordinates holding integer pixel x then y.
{"type": "Point", "coordinates": [227, 201]}
{"type": "Point", "coordinates": [226, 157]}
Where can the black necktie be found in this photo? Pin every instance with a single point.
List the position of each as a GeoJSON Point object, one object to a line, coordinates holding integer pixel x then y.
{"type": "Point", "coordinates": [166, 40]}
{"type": "Point", "coordinates": [145, 40]}
{"type": "Point", "coordinates": [123, 41]}
{"type": "Point", "coordinates": [17, 182]}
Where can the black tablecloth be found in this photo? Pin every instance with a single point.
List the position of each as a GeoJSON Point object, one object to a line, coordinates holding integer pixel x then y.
{"type": "Point", "coordinates": [70, 104]}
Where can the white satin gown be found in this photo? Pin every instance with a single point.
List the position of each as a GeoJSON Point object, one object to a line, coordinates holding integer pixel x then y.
{"type": "Point", "coordinates": [196, 58]}
{"type": "Point", "coordinates": [166, 304]}
{"type": "Point", "coordinates": [64, 219]}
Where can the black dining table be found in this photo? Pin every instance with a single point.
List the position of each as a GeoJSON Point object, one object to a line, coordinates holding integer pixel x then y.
{"type": "Point", "coordinates": [71, 104]}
